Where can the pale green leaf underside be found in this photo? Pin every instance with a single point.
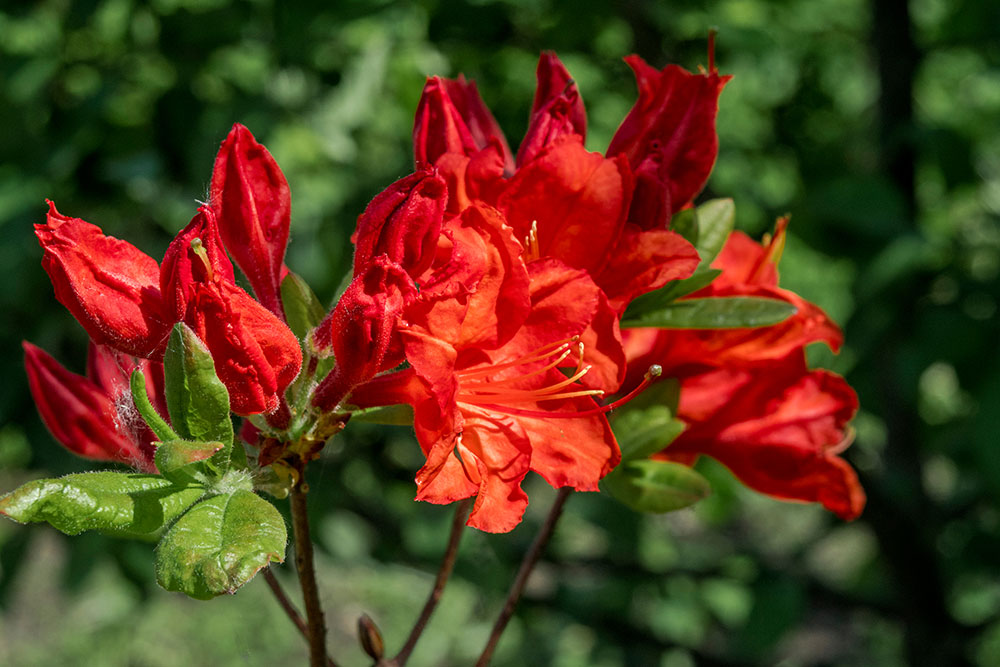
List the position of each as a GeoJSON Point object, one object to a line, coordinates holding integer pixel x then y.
{"type": "Point", "coordinates": [656, 486]}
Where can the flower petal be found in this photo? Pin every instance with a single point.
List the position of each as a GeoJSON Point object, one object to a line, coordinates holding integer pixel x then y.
{"type": "Point", "coordinates": [361, 328]}
{"type": "Point", "coordinates": [645, 260]}
{"type": "Point", "coordinates": [110, 286]}
{"type": "Point", "coordinates": [578, 199]}
{"type": "Point", "coordinates": [79, 414]}
{"type": "Point", "coordinates": [779, 431]}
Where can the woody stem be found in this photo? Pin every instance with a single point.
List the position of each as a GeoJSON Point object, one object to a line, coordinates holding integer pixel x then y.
{"type": "Point", "coordinates": [289, 607]}
{"type": "Point", "coordinates": [307, 576]}
{"type": "Point", "coordinates": [527, 565]}
{"type": "Point", "coordinates": [447, 565]}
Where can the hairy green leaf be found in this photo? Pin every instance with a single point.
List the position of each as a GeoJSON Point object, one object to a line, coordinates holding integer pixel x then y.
{"type": "Point", "coordinates": [220, 544]}
{"type": "Point", "coordinates": [302, 309]}
{"type": "Point", "coordinates": [197, 400]}
{"type": "Point", "coordinates": [735, 312]}
{"type": "Point", "coordinates": [157, 424]}
{"type": "Point", "coordinates": [178, 459]}
{"type": "Point", "coordinates": [117, 502]}
{"type": "Point", "coordinates": [656, 486]}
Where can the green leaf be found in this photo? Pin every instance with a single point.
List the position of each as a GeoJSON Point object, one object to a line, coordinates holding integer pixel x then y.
{"type": "Point", "coordinates": [197, 400]}
{"type": "Point", "coordinates": [675, 289]}
{"type": "Point", "coordinates": [685, 223]}
{"type": "Point", "coordinates": [670, 292]}
{"type": "Point", "coordinates": [734, 312]}
{"type": "Point", "coordinates": [642, 433]}
{"type": "Point", "coordinates": [160, 428]}
{"type": "Point", "coordinates": [220, 544]}
{"type": "Point", "coordinates": [303, 310]}
{"type": "Point", "coordinates": [656, 486]}
{"type": "Point", "coordinates": [715, 222]}
{"type": "Point", "coordinates": [174, 455]}
{"type": "Point", "coordinates": [392, 415]}
{"type": "Point", "coordinates": [117, 502]}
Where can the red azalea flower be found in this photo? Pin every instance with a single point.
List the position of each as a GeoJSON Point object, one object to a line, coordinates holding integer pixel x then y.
{"type": "Point", "coordinates": [748, 269]}
{"type": "Point", "coordinates": [746, 395]}
{"type": "Point", "coordinates": [110, 287]}
{"type": "Point", "coordinates": [778, 428]}
{"type": "Point", "coordinates": [93, 416]}
{"type": "Point", "coordinates": [485, 340]}
{"type": "Point", "coordinates": [565, 202]}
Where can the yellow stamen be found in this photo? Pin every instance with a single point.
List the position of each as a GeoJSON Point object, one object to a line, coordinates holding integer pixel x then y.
{"type": "Point", "coordinates": [531, 249]}
{"type": "Point", "coordinates": [198, 248]}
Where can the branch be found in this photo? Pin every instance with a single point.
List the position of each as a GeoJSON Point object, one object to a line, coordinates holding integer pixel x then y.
{"type": "Point", "coordinates": [447, 565]}
{"type": "Point", "coordinates": [307, 576]}
{"type": "Point", "coordinates": [527, 565]}
{"type": "Point", "coordinates": [290, 610]}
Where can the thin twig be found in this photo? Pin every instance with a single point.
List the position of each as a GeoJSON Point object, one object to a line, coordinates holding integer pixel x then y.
{"type": "Point", "coordinates": [285, 603]}
{"type": "Point", "coordinates": [527, 565]}
{"type": "Point", "coordinates": [447, 565]}
{"type": "Point", "coordinates": [307, 577]}
{"type": "Point", "coordinates": [289, 607]}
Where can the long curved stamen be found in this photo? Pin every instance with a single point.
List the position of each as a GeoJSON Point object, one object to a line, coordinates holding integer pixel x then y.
{"type": "Point", "coordinates": [544, 393]}
{"type": "Point", "coordinates": [535, 355]}
{"type": "Point", "coordinates": [654, 372]}
{"type": "Point", "coordinates": [476, 388]}
{"type": "Point", "coordinates": [517, 378]}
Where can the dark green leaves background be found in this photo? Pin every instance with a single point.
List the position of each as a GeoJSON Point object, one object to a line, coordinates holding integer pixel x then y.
{"type": "Point", "coordinates": [873, 123]}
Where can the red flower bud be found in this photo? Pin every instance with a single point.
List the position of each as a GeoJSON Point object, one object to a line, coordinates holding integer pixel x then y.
{"type": "Point", "coordinates": [402, 222]}
{"type": "Point", "coordinates": [250, 197]}
{"type": "Point", "coordinates": [195, 256]}
{"type": "Point", "coordinates": [256, 355]}
{"type": "Point", "coordinates": [110, 286]}
{"type": "Point", "coordinates": [452, 118]}
{"type": "Point", "coordinates": [557, 110]}
{"type": "Point", "coordinates": [90, 418]}
{"type": "Point", "coordinates": [361, 328]}
{"type": "Point", "coordinates": [673, 124]}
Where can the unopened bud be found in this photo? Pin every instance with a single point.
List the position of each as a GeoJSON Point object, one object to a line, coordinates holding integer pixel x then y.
{"type": "Point", "coordinates": [370, 637]}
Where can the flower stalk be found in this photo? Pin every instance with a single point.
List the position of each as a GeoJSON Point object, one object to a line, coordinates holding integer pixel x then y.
{"type": "Point", "coordinates": [444, 572]}
{"type": "Point", "coordinates": [527, 565]}
{"type": "Point", "coordinates": [315, 623]}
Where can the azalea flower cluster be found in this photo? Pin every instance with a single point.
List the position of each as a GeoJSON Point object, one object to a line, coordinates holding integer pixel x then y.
{"type": "Point", "coordinates": [488, 290]}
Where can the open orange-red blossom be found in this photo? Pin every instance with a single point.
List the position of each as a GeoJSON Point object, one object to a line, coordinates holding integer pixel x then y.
{"type": "Point", "coordinates": [500, 280]}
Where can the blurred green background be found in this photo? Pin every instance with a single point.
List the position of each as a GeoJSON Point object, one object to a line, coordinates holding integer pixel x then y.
{"type": "Point", "coordinates": [875, 124]}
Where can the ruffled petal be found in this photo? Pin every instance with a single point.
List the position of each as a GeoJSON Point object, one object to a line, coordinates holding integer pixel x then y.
{"type": "Point", "coordinates": [780, 431]}
{"type": "Point", "coordinates": [111, 287]}
{"type": "Point", "coordinates": [645, 260]}
{"type": "Point", "coordinates": [579, 201]}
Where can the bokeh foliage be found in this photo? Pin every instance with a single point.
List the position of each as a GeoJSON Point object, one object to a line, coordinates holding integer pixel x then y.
{"type": "Point", "coordinates": [873, 123]}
